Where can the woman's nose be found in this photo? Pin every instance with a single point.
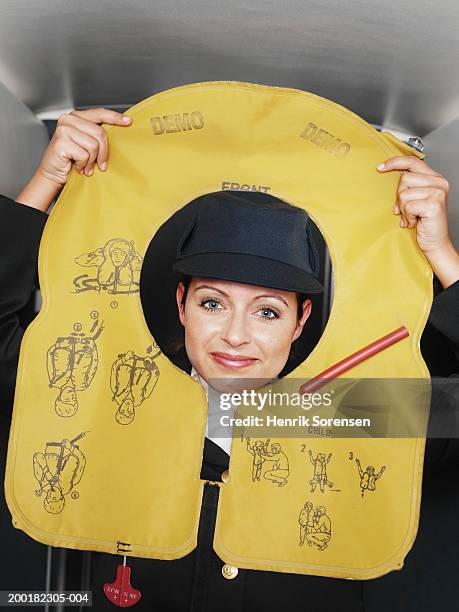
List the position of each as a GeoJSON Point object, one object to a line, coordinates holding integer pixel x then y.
{"type": "Point", "coordinates": [236, 331]}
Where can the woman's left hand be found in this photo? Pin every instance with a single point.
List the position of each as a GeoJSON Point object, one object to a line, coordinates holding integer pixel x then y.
{"type": "Point", "coordinates": [422, 203]}
{"type": "Point", "coordinates": [422, 200]}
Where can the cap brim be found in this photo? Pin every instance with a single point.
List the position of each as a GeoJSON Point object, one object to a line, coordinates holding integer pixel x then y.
{"type": "Point", "coordinates": [249, 269]}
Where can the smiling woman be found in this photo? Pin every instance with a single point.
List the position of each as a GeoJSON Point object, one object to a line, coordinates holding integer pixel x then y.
{"type": "Point", "coordinates": [237, 329]}
{"type": "Point", "coordinates": [246, 267]}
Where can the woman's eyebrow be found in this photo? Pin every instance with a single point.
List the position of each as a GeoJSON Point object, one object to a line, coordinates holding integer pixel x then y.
{"type": "Point", "coordinates": [276, 297]}
{"type": "Point", "coordinates": [212, 288]}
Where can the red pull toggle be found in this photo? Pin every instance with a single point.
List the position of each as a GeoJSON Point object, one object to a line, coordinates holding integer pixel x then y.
{"type": "Point", "coordinates": [352, 360]}
{"type": "Point", "coordinates": [120, 592]}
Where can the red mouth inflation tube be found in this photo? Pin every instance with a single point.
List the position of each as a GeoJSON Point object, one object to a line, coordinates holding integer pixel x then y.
{"type": "Point", "coordinates": [352, 360]}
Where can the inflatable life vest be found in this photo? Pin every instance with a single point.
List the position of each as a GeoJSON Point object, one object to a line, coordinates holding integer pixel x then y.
{"type": "Point", "coordinates": [107, 434]}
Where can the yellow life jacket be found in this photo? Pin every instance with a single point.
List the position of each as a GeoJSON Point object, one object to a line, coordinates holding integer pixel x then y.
{"type": "Point", "coordinates": [96, 463]}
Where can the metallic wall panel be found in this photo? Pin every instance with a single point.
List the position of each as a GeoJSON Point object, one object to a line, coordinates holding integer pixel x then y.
{"type": "Point", "coordinates": [22, 142]}
{"type": "Point", "coordinates": [442, 148]}
{"type": "Point", "coordinates": [393, 63]}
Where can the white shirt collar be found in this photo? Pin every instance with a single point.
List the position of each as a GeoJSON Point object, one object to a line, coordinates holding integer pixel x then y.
{"type": "Point", "coordinates": [224, 443]}
{"type": "Point", "coordinates": [195, 376]}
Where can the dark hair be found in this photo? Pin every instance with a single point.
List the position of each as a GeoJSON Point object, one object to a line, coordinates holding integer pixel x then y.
{"type": "Point", "coordinates": [178, 344]}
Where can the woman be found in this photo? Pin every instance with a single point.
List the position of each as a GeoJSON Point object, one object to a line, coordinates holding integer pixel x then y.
{"type": "Point", "coordinates": [261, 264]}
{"type": "Point", "coordinates": [233, 344]}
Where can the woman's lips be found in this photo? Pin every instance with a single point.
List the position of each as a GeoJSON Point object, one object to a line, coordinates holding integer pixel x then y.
{"type": "Point", "coordinates": [233, 361]}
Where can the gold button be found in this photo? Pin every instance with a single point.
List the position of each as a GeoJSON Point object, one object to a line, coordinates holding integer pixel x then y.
{"type": "Point", "coordinates": [226, 477]}
{"type": "Point", "coordinates": [229, 571]}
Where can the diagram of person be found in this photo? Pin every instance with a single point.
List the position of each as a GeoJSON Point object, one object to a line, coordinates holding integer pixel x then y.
{"type": "Point", "coordinates": [279, 471]}
{"type": "Point", "coordinates": [257, 449]}
{"type": "Point", "coordinates": [72, 363]}
{"type": "Point", "coordinates": [118, 268]}
{"type": "Point", "coordinates": [132, 380]}
{"type": "Point", "coordinates": [306, 521]}
{"type": "Point", "coordinates": [57, 471]}
{"type": "Point", "coordinates": [320, 471]}
{"type": "Point", "coordinates": [368, 477]}
{"type": "Point", "coordinates": [320, 534]}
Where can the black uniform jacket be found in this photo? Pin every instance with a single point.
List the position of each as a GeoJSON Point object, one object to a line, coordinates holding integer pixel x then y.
{"type": "Point", "coordinates": [428, 580]}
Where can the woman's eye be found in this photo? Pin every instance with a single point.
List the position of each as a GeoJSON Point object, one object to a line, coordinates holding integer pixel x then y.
{"type": "Point", "coordinates": [268, 313]}
{"type": "Point", "coordinates": [210, 304]}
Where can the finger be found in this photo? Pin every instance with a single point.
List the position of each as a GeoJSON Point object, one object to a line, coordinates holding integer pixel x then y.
{"type": "Point", "coordinates": [409, 198]}
{"type": "Point", "coordinates": [421, 193]}
{"type": "Point", "coordinates": [76, 154]}
{"type": "Point", "coordinates": [103, 115]}
{"type": "Point", "coordinates": [412, 180]}
{"type": "Point", "coordinates": [415, 210]}
{"type": "Point", "coordinates": [92, 129]}
{"type": "Point", "coordinates": [406, 162]}
{"type": "Point", "coordinates": [91, 145]}
{"type": "Point", "coordinates": [409, 180]}
{"type": "Point", "coordinates": [436, 191]}
{"type": "Point", "coordinates": [407, 195]}
{"type": "Point", "coordinates": [100, 136]}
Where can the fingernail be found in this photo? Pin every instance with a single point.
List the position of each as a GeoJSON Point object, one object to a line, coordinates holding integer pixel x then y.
{"type": "Point", "coordinates": [103, 166]}
{"type": "Point", "coordinates": [396, 210]}
{"type": "Point", "coordinates": [380, 166]}
{"type": "Point", "coordinates": [90, 172]}
{"type": "Point", "coordinates": [126, 119]}
{"type": "Point", "coordinates": [402, 223]}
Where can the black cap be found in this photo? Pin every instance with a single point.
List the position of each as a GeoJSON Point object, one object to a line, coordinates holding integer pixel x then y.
{"type": "Point", "coordinates": [235, 238]}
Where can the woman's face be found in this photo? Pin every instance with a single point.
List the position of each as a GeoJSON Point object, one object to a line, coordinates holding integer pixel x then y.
{"type": "Point", "coordinates": [235, 330]}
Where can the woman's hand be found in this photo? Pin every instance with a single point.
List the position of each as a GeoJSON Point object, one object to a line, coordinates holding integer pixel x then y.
{"type": "Point", "coordinates": [422, 203]}
{"type": "Point", "coordinates": [78, 140]}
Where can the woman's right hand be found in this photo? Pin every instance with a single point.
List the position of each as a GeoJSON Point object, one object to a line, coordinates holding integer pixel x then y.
{"type": "Point", "coordinates": [79, 139]}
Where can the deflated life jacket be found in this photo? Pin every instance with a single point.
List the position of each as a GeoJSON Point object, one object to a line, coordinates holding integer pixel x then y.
{"type": "Point", "coordinates": [107, 433]}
